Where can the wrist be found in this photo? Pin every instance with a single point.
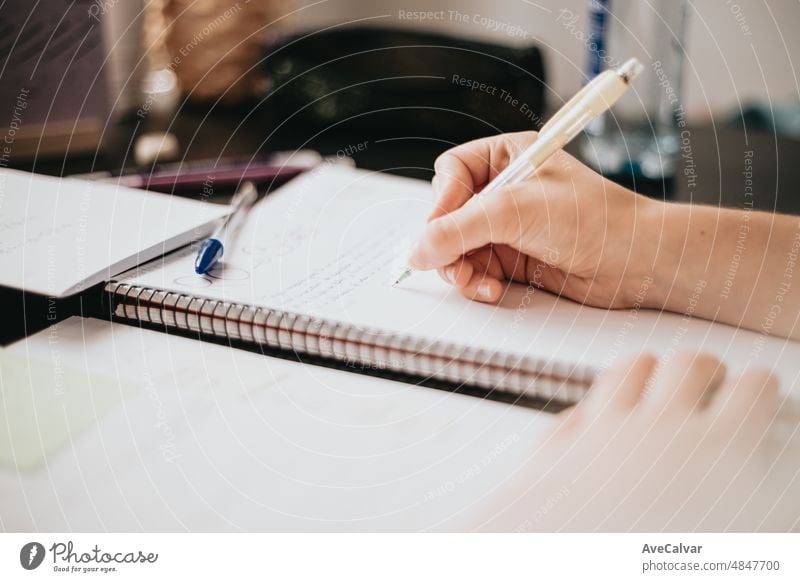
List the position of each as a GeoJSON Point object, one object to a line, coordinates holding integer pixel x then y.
{"type": "Point", "coordinates": [647, 260]}
{"type": "Point", "coordinates": [684, 236]}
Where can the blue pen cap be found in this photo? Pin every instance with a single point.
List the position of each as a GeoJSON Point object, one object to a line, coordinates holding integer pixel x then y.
{"type": "Point", "coordinates": [207, 256]}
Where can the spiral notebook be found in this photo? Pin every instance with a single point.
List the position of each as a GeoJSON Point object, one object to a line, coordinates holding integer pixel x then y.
{"type": "Point", "coordinates": [311, 273]}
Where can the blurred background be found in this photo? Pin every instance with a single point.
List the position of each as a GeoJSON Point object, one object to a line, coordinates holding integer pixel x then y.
{"type": "Point", "coordinates": [736, 52]}
{"type": "Point", "coordinates": [127, 86]}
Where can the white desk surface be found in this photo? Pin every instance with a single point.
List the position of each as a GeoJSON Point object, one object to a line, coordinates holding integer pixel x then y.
{"type": "Point", "coordinates": [208, 438]}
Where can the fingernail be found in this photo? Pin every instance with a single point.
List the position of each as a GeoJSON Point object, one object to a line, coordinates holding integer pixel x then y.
{"type": "Point", "coordinates": [485, 291]}
{"type": "Point", "coordinates": [450, 275]}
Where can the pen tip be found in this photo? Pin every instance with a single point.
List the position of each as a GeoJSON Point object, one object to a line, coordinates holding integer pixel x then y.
{"type": "Point", "coordinates": [403, 276]}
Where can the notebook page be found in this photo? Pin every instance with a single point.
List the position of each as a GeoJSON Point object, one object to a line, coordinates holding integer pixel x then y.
{"type": "Point", "coordinates": [328, 244]}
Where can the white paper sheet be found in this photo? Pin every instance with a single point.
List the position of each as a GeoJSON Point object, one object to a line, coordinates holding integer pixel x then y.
{"type": "Point", "coordinates": [59, 236]}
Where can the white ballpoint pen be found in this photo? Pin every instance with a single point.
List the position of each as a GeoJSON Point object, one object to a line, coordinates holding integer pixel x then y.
{"type": "Point", "coordinates": [593, 100]}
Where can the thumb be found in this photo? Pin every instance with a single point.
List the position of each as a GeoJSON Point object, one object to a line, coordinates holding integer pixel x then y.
{"type": "Point", "coordinates": [481, 221]}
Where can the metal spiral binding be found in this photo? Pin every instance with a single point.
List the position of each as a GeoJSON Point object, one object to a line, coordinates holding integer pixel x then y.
{"type": "Point", "coordinates": [307, 335]}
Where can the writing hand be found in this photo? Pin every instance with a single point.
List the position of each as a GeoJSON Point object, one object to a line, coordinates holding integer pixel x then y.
{"type": "Point", "coordinates": [566, 229]}
{"type": "Point", "coordinates": [572, 232]}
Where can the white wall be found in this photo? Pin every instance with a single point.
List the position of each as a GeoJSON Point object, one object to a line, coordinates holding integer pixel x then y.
{"type": "Point", "coordinates": [738, 50]}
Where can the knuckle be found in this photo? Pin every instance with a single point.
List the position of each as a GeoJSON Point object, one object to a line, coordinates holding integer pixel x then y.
{"type": "Point", "coordinates": [548, 171]}
{"type": "Point", "coordinates": [641, 360]}
{"type": "Point", "coordinates": [699, 363]}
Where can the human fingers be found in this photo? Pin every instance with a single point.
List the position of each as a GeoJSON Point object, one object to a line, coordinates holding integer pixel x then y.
{"type": "Point", "coordinates": [483, 287]}
{"type": "Point", "coordinates": [617, 390]}
{"type": "Point", "coordinates": [463, 170]}
{"type": "Point", "coordinates": [681, 383]}
{"type": "Point", "coordinates": [458, 273]}
{"type": "Point", "coordinates": [751, 395]}
{"type": "Point", "coordinates": [483, 220]}
{"type": "Point", "coordinates": [453, 184]}
{"type": "Point", "coordinates": [478, 276]}
{"type": "Point", "coordinates": [621, 385]}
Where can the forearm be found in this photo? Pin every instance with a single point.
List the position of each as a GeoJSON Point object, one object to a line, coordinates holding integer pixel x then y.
{"type": "Point", "coordinates": [735, 266]}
